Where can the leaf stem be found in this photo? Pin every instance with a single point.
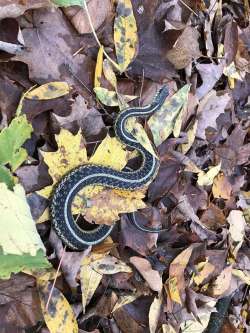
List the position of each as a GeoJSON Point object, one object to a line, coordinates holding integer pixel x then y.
{"type": "Point", "coordinates": [96, 38]}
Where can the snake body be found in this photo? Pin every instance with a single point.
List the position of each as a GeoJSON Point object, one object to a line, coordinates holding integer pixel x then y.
{"type": "Point", "coordinates": [66, 190]}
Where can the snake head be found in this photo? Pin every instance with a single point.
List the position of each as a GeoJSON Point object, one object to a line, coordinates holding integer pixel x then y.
{"type": "Point", "coordinates": [161, 95]}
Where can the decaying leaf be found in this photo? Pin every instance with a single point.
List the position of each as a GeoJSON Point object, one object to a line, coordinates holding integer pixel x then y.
{"type": "Point", "coordinates": [162, 122]}
{"type": "Point", "coordinates": [59, 316]}
{"type": "Point", "coordinates": [49, 91]}
{"type": "Point", "coordinates": [21, 246]}
{"type": "Point", "coordinates": [125, 34]}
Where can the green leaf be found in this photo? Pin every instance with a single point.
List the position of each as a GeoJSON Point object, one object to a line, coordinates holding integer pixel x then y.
{"type": "Point", "coordinates": [67, 3]}
{"type": "Point", "coordinates": [12, 263]}
{"type": "Point", "coordinates": [125, 34]}
{"type": "Point", "coordinates": [20, 243]}
{"type": "Point", "coordinates": [162, 122]}
{"type": "Point", "coordinates": [6, 177]}
{"type": "Point", "coordinates": [11, 140]}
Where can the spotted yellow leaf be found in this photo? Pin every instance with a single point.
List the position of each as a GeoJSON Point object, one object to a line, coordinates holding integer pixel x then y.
{"type": "Point", "coordinates": [49, 91]}
{"type": "Point", "coordinates": [162, 122]}
{"type": "Point", "coordinates": [110, 98]}
{"type": "Point", "coordinates": [125, 34]}
{"type": "Point", "coordinates": [98, 67]}
{"type": "Point", "coordinates": [59, 316]}
{"type": "Point", "coordinates": [109, 73]}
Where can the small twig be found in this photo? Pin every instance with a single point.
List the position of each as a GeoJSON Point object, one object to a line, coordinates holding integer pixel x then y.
{"type": "Point", "coordinates": [142, 83]}
{"type": "Point", "coordinates": [95, 35]}
{"type": "Point", "coordinates": [54, 282]}
{"type": "Point", "coordinates": [184, 4]}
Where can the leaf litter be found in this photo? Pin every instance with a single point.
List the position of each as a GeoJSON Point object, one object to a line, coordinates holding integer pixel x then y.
{"type": "Point", "coordinates": [87, 66]}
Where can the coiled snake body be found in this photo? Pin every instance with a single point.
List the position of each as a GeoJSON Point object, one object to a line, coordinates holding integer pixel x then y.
{"type": "Point", "coordinates": [65, 192]}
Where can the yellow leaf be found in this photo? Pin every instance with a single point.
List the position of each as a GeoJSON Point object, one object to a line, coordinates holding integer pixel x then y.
{"type": "Point", "coordinates": [123, 300]}
{"type": "Point", "coordinates": [162, 122]}
{"type": "Point", "coordinates": [173, 290]}
{"type": "Point", "coordinates": [154, 313]}
{"type": "Point", "coordinates": [244, 276]}
{"type": "Point", "coordinates": [206, 179]}
{"type": "Point", "coordinates": [203, 273]}
{"type": "Point", "coordinates": [98, 67]}
{"type": "Point", "coordinates": [59, 317]}
{"type": "Point", "coordinates": [90, 279]}
{"type": "Point", "coordinates": [70, 154]}
{"type": "Point", "coordinates": [184, 148]}
{"type": "Point", "coordinates": [49, 91]}
{"type": "Point", "coordinates": [109, 73]}
{"type": "Point", "coordinates": [178, 123]}
{"type": "Point", "coordinates": [105, 207]}
{"type": "Point", "coordinates": [18, 234]}
{"type": "Point", "coordinates": [110, 98]}
{"type": "Point", "coordinates": [137, 130]}
{"type": "Point", "coordinates": [110, 153]}
{"type": "Point", "coordinates": [125, 34]}
{"type": "Point", "coordinates": [90, 200]}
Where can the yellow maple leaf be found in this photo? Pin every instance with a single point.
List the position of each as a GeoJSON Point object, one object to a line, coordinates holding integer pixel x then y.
{"type": "Point", "coordinates": [94, 202]}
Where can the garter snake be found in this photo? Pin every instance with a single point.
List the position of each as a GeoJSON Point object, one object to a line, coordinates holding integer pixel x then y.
{"type": "Point", "coordinates": [66, 190]}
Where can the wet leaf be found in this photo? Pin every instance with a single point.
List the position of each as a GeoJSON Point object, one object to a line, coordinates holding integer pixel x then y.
{"type": "Point", "coordinates": [162, 122]}
{"type": "Point", "coordinates": [21, 246]}
{"type": "Point", "coordinates": [49, 91]}
{"type": "Point", "coordinates": [125, 34]}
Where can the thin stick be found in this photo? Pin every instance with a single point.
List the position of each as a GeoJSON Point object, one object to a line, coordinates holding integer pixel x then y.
{"type": "Point", "coordinates": [184, 4]}
{"type": "Point", "coordinates": [95, 35]}
{"type": "Point", "coordinates": [54, 282]}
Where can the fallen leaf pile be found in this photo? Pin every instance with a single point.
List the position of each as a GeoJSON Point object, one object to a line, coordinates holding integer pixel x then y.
{"type": "Point", "coordinates": [67, 68]}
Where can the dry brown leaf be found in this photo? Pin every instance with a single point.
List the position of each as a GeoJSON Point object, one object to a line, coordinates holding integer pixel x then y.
{"type": "Point", "coordinates": [98, 10]}
{"type": "Point", "coordinates": [152, 276]}
{"type": "Point", "coordinates": [109, 265]}
{"type": "Point", "coordinates": [14, 8]}
{"type": "Point", "coordinates": [185, 49]}
{"type": "Point", "coordinates": [222, 187]}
